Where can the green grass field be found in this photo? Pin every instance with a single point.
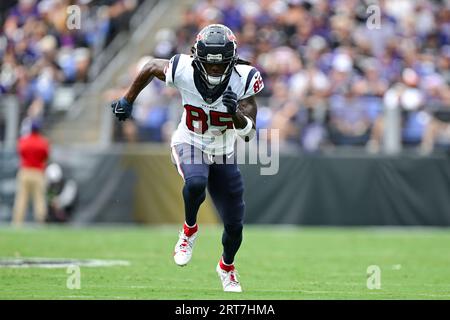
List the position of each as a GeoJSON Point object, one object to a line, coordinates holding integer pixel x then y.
{"type": "Point", "coordinates": [273, 263]}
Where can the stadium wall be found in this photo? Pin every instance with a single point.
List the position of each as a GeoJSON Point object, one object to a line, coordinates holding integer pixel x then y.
{"type": "Point", "coordinates": [351, 190]}
{"type": "Point", "coordinates": [140, 184]}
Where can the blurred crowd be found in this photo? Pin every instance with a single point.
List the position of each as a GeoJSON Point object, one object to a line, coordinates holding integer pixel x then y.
{"type": "Point", "coordinates": [330, 68]}
{"type": "Point", "coordinates": [45, 44]}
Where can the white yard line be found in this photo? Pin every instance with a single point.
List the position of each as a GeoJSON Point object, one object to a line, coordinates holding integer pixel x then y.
{"type": "Point", "coordinates": [58, 262]}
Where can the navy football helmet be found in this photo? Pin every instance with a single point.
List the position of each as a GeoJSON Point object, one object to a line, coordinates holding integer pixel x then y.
{"type": "Point", "coordinates": [215, 44]}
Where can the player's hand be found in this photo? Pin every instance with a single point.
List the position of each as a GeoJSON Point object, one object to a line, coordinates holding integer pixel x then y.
{"type": "Point", "coordinates": [229, 100]}
{"type": "Point", "coordinates": [122, 109]}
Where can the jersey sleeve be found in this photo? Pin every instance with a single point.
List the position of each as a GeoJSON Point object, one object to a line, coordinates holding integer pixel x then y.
{"type": "Point", "coordinates": [171, 71]}
{"type": "Point", "coordinates": [254, 83]}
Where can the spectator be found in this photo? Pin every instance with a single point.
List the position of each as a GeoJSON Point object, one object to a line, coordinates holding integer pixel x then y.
{"type": "Point", "coordinates": [409, 99]}
{"type": "Point", "coordinates": [437, 128]}
{"type": "Point", "coordinates": [33, 151]}
{"type": "Point", "coordinates": [285, 121]}
{"type": "Point", "coordinates": [349, 119]}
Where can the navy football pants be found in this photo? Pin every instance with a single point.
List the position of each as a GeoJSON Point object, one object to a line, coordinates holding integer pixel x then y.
{"type": "Point", "coordinates": [224, 183]}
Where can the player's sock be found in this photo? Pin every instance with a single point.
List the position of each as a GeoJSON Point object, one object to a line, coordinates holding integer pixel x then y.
{"type": "Point", "coordinates": [226, 266]}
{"type": "Point", "coordinates": [189, 231]}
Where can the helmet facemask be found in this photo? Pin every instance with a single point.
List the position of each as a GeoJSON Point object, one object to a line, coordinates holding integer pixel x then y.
{"type": "Point", "coordinates": [215, 79]}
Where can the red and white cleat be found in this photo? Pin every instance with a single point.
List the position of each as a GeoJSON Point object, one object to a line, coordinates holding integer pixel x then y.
{"type": "Point", "coordinates": [229, 277]}
{"type": "Point", "coordinates": [183, 249]}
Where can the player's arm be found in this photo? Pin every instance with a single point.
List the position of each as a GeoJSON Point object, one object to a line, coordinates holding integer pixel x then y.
{"type": "Point", "coordinates": [243, 113]}
{"type": "Point", "coordinates": [245, 118]}
{"type": "Point", "coordinates": [153, 68]}
{"type": "Point", "coordinates": [246, 108]}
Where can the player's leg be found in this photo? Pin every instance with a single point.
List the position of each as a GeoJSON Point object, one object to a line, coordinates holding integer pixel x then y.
{"type": "Point", "coordinates": [227, 189]}
{"type": "Point", "coordinates": [21, 200]}
{"type": "Point", "coordinates": [39, 202]}
{"type": "Point", "coordinates": [194, 172]}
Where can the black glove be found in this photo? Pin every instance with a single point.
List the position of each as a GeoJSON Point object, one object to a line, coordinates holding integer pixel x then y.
{"type": "Point", "coordinates": [122, 109]}
{"type": "Point", "coordinates": [229, 100]}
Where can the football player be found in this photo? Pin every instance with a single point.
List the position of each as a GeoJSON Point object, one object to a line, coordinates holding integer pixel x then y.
{"type": "Point", "coordinates": [218, 94]}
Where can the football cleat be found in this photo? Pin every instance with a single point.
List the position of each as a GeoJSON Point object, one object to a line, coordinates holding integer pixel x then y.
{"type": "Point", "coordinates": [229, 279]}
{"type": "Point", "coordinates": [183, 249]}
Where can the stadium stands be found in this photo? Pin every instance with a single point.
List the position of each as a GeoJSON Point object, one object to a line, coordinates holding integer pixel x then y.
{"type": "Point", "coordinates": [328, 75]}
{"type": "Point", "coordinates": [45, 64]}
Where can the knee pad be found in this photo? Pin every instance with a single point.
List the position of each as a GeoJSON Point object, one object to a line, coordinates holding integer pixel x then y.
{"type": "Point", "coordinates": [196, 185]}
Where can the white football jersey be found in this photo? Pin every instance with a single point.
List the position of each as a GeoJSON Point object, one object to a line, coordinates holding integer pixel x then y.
{"type": "Point", "coordinates": [207, 125]}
